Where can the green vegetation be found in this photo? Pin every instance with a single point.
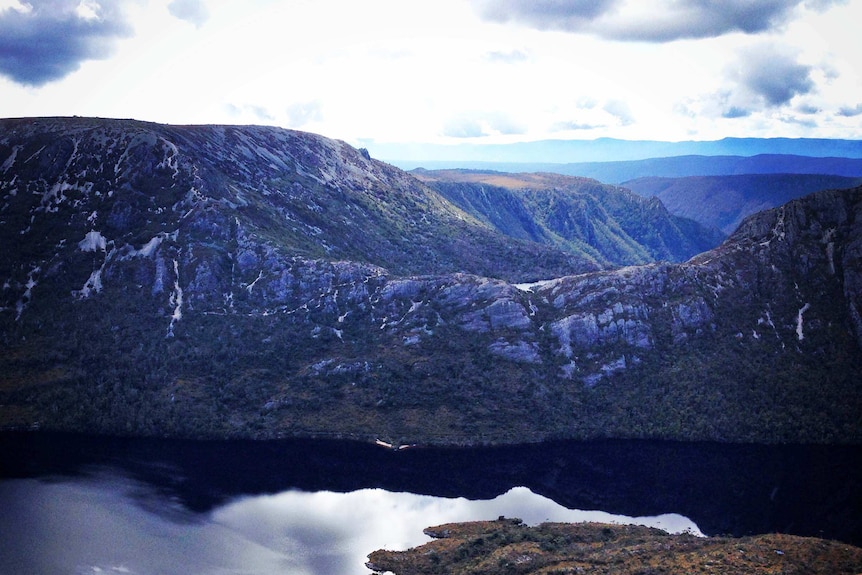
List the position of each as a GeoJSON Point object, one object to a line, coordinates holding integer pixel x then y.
{"type": "Point", "coordinates": [607, 224]}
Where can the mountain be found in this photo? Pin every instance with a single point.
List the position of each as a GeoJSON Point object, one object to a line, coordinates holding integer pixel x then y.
{"type": "Point", "coordinates": [616, 172]}
{"type": "Point", "coordinates": [723, 201]}
{"type": "Point", "coordinates": [611, 150]}
{"type": "Point", "coordinates": [308, 195]}
{"type": "Point", "coordinates": [215, 281]}
{"type": "Point", "coordinates": [580, 215]}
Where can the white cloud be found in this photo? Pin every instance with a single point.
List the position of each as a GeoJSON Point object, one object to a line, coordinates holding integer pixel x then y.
{"type": "Point", "coordinates": [648, 20]}
{"type": "Point", "coordinates": [850, 111]}
{"type": "Point", "coordinates": [391, 71]}
{"type": "Point", "coordinates": [194, 11]}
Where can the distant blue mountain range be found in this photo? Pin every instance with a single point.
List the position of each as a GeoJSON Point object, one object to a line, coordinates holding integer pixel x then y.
{"type": "Point", "coordinates": [673, 167]}
{"type": "Point", "coordinates": [607, 150]}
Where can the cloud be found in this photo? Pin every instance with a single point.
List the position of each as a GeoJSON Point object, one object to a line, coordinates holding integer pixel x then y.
{"type": "Point", "coordinates": [648, 20]}
{"type": "Point", "coordinates": [620, 110]}
{"type": "Point", "coordinates": [571, 15]}
{"type": "Point", "coordinates": [773, 75]}
{"type": "Point", "coordinates": [194, 11]}
{"type": "Point", "coordinates": [462, 127]}
{"type": "Point", "coordinates": [49, 39]}
{"type": "Point", "coordinates": [808, 109]}
{"type": "Point", "coordinates": [735, 112]}
{"type": "Point", "coordinates": [590, 114]}
{"type": "Point", "coordinates": [475, 125]}
{"type": "Point", "coordinates": [304, 113]}
{"type": "Point", "coordinates": [849, 112]}
{"type": "Point", "coordinates": [764, 77]}
{"type": "Point", "coordinates": [255, 112]}
{"type": "Point", "coordinates": [804, 122]}
{"type": "Point", "coordinates": [507, 57]}
{"type": "Point", "coordinates": [574, 126]}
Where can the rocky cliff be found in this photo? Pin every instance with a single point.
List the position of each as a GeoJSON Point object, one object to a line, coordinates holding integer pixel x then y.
{"type": "Point", "coordinates": [580, 215]}
{"type": "Point", "coordinates": [248, 281]}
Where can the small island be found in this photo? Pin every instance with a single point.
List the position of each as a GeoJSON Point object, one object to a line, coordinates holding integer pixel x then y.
{"type": "Point", "coordinates": [509, 546]}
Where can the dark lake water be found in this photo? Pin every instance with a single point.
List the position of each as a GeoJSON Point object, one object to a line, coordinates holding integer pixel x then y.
{"type": "Point", "coordinates": [73, 505]}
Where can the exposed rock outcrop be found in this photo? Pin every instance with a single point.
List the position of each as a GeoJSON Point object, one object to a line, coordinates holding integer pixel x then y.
{"type": "Point", "coordinates": [256, 281]}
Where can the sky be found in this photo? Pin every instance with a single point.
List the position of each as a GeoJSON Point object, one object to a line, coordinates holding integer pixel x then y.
{"type": "Point", "coordinates": [444, 71]}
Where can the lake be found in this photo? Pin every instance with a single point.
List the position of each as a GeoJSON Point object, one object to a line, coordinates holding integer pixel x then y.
{"type": "Point", "coordinates": [77, 504]}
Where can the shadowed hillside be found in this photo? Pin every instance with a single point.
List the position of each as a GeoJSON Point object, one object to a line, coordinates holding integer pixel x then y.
{"type": "Point", "coordinates": [580, 215]}
{"type": "Point", "coordinates": [723, 201]}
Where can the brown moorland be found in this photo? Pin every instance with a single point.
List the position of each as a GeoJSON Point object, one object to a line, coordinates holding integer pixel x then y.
{"type": "Point", "coordinates": [509, 546]}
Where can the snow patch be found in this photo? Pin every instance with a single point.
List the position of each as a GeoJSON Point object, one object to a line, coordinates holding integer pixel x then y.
{"type": "Point", "coordinates": [93, 242]}
{"type": "Point", "coordinates": [170, 158]}
{"type": "Point", "coordinates": [778, 231]}
{"type": "Point", "coordinates": [828, 239]}
{"type": "Point", "coordinates": [93, 284]}
{"type": "Point", "coordinates": [531, 287]}
{"type": "Point", "coordinates": [150, 247]}
{"type": "Point", "coordinates": [34, 154]}
{"type": "Point", "coordinates": [802, 310]}
{"type": "Point", "coordinates": [10, 161]}
{"type": "Point", "coordinates": [176, 300]}
{"type": "Point", "coordinates": [250, 286]}
{"type": "Point", "coordinates": [21, 304]}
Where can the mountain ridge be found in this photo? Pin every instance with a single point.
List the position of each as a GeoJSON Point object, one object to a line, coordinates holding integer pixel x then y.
{"type": "Point", "coordinates": [608, 222]}
{"type": "Point", "coordinates": [611, 149]}
{"type": "Point", "coordinates": [149, 290]}
{"type": "Point", "coordinates": [723, 201]}
{"type": "Point", "coordinates": [617, 172]}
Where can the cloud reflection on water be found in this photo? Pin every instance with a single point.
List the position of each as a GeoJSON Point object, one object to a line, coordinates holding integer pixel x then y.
{"type": "Point", "coordinates": [116, 525]}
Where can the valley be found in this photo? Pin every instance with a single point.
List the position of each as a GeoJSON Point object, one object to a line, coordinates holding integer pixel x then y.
{"type": "Point", "coordinates": [229, 281]}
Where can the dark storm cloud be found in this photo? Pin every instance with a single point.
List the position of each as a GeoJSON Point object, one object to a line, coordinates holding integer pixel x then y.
{"type": "Point", "coordinates": [773, 75]}
{"type": "Point", "coordinates": [668, 20]}
{"type": "Point", "coordinates": [193, 11]}
{"type": "Point", "coordinates": [52, 38]}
